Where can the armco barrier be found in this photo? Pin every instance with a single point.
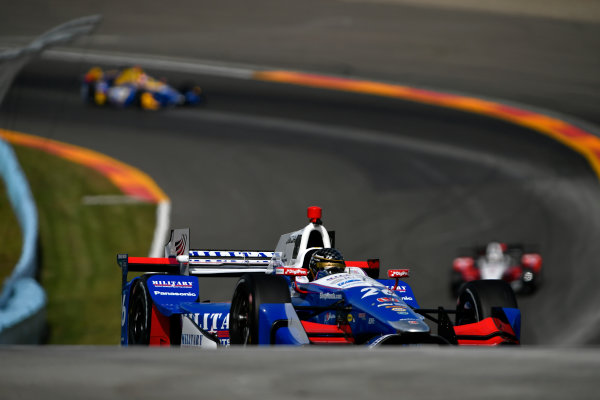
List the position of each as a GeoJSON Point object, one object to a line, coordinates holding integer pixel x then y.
{"type": "Point", "coordinates": [22, 300]}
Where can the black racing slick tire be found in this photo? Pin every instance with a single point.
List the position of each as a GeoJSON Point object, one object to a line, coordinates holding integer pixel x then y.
{"type": "Point", "coordinates": [529, 281]}
{"type": "Point", "coordinates": [251, 291]}
{"type": "Point", "coordinates": [456, 281]}
{"type": "Point", "coordinates": [88, 91]}
{"type": "Point", "coordinates": [139, 314]}
{"type": "Point", "coordinates": [477, 299]}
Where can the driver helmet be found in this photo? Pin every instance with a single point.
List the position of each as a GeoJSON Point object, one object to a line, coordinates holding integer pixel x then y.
{"type": "Point", "coordinates": [328, 261]}
{"type": "Point", "coordinates": [494, 252]}
{"type": "Point", "coordinates": [94, 74]}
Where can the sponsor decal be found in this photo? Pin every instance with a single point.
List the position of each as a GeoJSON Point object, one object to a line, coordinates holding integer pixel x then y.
{"type": "Point", "coordinates": [334, 280]}
{"type": "Point", "coordinates": [346, 282]}
{"type": "Point", "coordinates": [362, 315]}
{"type": "Point", "coordinates": [398, 289]}
{"type": "Point", "coordinates": [399, 309]}
{"type": "Point", "coordinates": [398, 273]}
{"type": "Point", "coordinates": [165, 286]}
{"type": "Point", "coordinates": [232, 254]}
{"type": "Point", "coordinates": [291, 271]}
{"type": "Point", "coordinates": [210, 321]}
{"type": "Point", "coordinates": [413, 322]}
{"type": "Point", "coordinates": [350, 318]}
{"type": "Point", "coordinates": [371, 321]}
{"type": "Point", "coordinates": [199, 261]}
{"type": "Point", "coordinates": [172, 284]}
{"type": "Point", "coordinates": [369, 292]}
{"type": "Point", "coordinates": [405, 298]}
{"type": "Point", "coordinates": [188, 339]}
{"type": "Point", "coordinates": [386, 299]}
{"type": "Point", "coordinates": [389, 305]}
{"type": "Point", "coordinates": [159, 293]}
{"type": "Point", "coordinates": [181, 244]}
{"type": "Point", "coordinates": [329, 316]}
{"type": "Point", "coordinates": [330, 296]}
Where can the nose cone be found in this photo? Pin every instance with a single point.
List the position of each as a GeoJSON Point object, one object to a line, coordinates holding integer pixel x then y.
{"type": "Point", "coordinates": [410, 325]}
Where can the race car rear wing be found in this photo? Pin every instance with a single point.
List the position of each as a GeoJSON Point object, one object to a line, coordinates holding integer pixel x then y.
{"type": "Point", "coordinates": [179, 259]}
{"type": "Point", "coordinates": [210, 263]}
{"type": "Point", "coordinates": [201, 262]}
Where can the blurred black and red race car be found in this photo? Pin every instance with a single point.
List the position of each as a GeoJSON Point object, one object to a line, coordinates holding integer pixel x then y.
{"type": "Point", "coordinates": [512, 263]}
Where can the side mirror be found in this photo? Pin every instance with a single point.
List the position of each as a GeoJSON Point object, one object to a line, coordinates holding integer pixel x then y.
{"type": "Point", "coordinates": [289, 271]}
{"type": "Point", "coordinates": [397, 274]}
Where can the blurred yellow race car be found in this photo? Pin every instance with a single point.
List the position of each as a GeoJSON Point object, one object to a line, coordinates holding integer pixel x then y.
{"type": "Point", "coordinates": [134, 87]}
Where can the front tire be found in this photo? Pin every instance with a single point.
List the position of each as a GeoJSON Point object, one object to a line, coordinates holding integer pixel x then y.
{"type": "Point", "coordinates": [477, 299]}
{"type": "Point", "coordinates": [139, 314]}
{"type": "Point", "coordinates": [251, 291]}
{"type": "Point", "coordinates": [529, 281]}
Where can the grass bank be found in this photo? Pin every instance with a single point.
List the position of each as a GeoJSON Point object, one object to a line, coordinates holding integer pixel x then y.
{"type": "Point", "coordinates": [79, 243]}
{"type": "Point", "coordinates": [10, 236]}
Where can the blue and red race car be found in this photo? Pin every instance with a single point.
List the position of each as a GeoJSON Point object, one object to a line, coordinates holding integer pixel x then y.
{"type": "Point", "coordinates": [302, 293]}
{"type": "Point", "coordinates": [134, 87]}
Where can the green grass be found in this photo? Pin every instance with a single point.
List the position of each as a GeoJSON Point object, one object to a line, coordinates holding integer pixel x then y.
{"type": "Point", "coordinates": [10, 236]}
{"type": "Point", "coordinates": [79, 244]}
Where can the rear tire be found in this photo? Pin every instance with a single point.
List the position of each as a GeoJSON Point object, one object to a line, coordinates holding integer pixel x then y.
{"type": "Point", "coordinates": [251, 291]}
{"type": "Point", "coordinates": [88, 92]}
{"type": "Point", "coordinates": [477, 299]}
{"type": "Point", "coordinates": [194, 94]}
{"type": "Point", "coordinates": [139, 314]}
{"type": "Point", "coordinates": [456, 281]}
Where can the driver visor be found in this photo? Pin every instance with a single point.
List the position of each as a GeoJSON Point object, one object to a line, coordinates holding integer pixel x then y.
{"type": "Point", "coordinates": [325, 265]}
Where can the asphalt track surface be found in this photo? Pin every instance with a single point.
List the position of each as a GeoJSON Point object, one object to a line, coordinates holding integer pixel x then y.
{"type": "Point", "coordinates": [279, 373]}
{"type": "Point", "coordinates": [404, 182]}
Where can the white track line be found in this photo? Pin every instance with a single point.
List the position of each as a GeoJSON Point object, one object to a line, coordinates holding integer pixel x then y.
{"type": "Point", "coordinates": [166, 64]}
